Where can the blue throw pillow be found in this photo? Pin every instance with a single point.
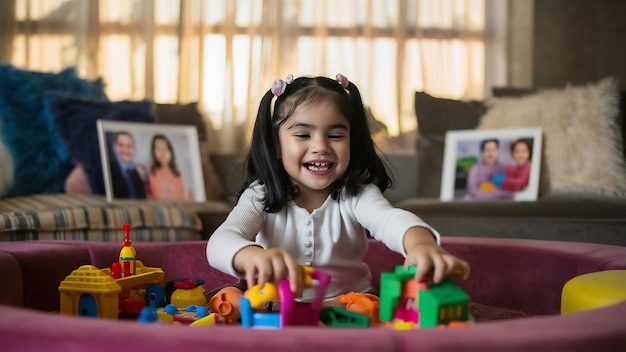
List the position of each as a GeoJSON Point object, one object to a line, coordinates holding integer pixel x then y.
{"type": "Point", "coordinates": [76, 120]}
{"type": "Point", "coordinates": [39, 157]}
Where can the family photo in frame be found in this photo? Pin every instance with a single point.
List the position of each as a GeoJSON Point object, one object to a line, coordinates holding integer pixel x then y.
{"type": "Point", "coordinates": [150, 161]}
{"type": "Point", "coordinates": [492, 164]}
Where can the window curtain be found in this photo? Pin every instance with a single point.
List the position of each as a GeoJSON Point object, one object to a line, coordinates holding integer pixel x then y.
{"type": "Point", "coordinates": [226, 53]}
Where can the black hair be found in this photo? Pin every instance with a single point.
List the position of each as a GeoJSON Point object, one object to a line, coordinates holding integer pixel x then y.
{"type": "Point", "coordinates": [262, 161]}
{"type": "Point", "coordinates": [484, 142]}
{"type": "Point", "coordinates": [155, 163]}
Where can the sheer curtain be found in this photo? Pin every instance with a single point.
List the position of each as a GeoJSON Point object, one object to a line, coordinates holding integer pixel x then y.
{"type": "Point", "coordinates": [226, 53]}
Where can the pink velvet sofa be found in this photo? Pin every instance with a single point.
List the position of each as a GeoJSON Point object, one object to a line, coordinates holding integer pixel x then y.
{"type": "Point", "coordinates": [515, 289]}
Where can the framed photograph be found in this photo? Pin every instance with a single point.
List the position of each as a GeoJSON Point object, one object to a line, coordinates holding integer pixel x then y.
{"type": "Point", "coordinates": [151, 161]}
{"type": "Point", "coordinates": [492, 164]}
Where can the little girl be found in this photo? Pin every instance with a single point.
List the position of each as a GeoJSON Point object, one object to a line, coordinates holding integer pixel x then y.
{"type": "Point", "coordinates": [164, 178]}
{"type": "Point", "coordinates": [516, 176]}
{"type": "Point", "coordinates": [313, 189]}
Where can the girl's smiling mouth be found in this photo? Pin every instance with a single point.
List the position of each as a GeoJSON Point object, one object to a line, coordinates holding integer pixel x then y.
{"type": "Point", "coordinates": [318, 166]}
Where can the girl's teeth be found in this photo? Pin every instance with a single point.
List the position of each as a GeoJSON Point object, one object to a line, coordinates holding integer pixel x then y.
{"type": "Point", "coordinates": [318, 166]}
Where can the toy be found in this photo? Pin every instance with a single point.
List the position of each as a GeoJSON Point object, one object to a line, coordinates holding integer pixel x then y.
{"type": "Point", "coordinates": [443, 304]}
{"type": "Point", "coordinates": [148, 315]}
{"type": "Point", "coordinates": [259, 295]}
{"type": "Point", "coordinates": [225, 303]}
{"type": "Point", "coordinates": [303, 313]}
{"type": "Point", "coordinates": [406, 303]}
{"type": "Point", "coordinates": [593, 290]}
{"type": "Point", "coordinates": [111, 292]}
{"type": "Point", "coordinates": [209, 320]}
{"type": "Point", "coordinates": [498, 178]}
{"type": "Point", "coordinates": [89, 292]}
{"type": "Point", "coordinates": [187, 293]}
{"type": "Point", "coordinates": [170, 314]}
{"type": "Point", "coordinates": [487, 187]}
{"type": "Point", "coordinates": [128, 262]}
{"type": "Point", "coordinates": [343, 318]}
{"type": "Point", "coordinates": [362, 303]}
{"type": "Point", "coordinates": [186, 303]}
{"type": "Point", "coordinates": [291, 312]}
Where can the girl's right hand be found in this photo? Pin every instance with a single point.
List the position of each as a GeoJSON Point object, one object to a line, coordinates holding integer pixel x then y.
{"type": "Point", "coordinates": [268, 265]}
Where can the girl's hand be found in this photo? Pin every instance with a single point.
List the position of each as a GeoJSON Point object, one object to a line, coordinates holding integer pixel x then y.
{"type": "Point", "coordinates": [268, 265]}
{"type": "Point", "coordinates": [423, 252]}
{"type": "Point", "coordinates": [427, 257]}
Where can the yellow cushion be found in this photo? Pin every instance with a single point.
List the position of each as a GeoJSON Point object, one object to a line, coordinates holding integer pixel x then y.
{"type": "Point", "coordinates": [593, 290]}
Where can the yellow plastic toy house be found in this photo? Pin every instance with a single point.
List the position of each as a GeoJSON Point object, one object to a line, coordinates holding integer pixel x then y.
{"type": "Point", "coordinates": [90, 292]}
{"type": "Point", "coordinates": [93, 292]}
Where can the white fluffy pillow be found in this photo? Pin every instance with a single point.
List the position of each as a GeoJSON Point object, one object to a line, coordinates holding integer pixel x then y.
{"type": "Point", "coordinates": [582, 140]}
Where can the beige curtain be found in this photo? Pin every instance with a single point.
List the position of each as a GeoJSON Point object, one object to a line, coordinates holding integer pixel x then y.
{"type": "Point", "coordinates": [226, 53]}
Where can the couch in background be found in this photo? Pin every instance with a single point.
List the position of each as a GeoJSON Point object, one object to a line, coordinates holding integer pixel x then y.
{"type": "Point", "coordinates": [51, 182]}
{"type": "Point", "coordinates": [515, 289]}
{"type": "Point", "coordinates": [589, 207]}
{"type": "Point", "coordinates": [582, 195]}
{"type": "Point", "coordinates": [58, 115]}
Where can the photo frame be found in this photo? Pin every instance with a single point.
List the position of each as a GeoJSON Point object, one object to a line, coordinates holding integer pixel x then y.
{"type": "Point", "coordinates": [133, 171]}
{"type": "Point", "coordinates": [481, 164]}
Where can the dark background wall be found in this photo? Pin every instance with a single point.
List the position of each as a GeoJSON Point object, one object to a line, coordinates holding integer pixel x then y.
{"type": "Point", "coordinates": [578, 41]}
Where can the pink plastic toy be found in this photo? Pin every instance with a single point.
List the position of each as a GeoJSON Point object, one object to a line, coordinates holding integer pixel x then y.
{"type": "Point", "coordinates": [301, 313]}
{"type": "Point", "coordinates": [291, 312]}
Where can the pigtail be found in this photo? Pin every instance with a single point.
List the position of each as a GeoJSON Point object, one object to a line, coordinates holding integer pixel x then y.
{"type": "Point", "coordinates": [262, 162]}
{"type": "Point", "coordinates": [366, 165]}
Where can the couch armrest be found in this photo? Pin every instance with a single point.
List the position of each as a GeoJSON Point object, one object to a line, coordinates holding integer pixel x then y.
{"type": "Point", "coordinates": [43, 267]}
{"type": "Point", "coordinates": [12, 292]}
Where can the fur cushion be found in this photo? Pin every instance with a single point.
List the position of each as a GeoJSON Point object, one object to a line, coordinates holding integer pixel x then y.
{"type": "Point", "coordinates": [39, 159]}
{"type": "Point", "coordinates": [76, 121]}
{"type": "Point", "coordinates": [582, 139]}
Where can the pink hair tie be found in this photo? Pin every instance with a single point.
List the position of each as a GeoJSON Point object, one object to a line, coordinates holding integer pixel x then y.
{"type": "Point", "coordinates": [343, 80]}
{"type": "Point", "coordinates": [279, 86]}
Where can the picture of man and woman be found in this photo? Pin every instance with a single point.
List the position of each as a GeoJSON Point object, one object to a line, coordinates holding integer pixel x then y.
{"type": "Point", "coordinates": [493, 167]}
{"type": "Point", "coordinates": [145, 165]}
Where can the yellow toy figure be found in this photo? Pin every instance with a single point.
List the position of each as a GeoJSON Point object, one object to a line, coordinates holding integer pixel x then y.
{"type": "Point", "coordinates": [188, 293]}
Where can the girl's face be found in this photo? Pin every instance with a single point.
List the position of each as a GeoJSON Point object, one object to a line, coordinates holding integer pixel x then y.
{"type": "Point", "coordinates": [162, 152]}
{"type": "Point", "coordinates": [315, 147]}
{"type": "Point", "coordinates": [521, 153]}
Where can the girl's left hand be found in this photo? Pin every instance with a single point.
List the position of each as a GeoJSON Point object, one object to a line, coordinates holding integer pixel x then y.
{"type": "Point", "coordinates": [427, 257]}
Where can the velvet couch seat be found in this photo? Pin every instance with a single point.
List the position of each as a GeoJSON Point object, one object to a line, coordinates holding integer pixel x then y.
{"type": "Point", "coordinates": [557, 217]}
{"type": "Point", "coordinates": [508, 275]}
